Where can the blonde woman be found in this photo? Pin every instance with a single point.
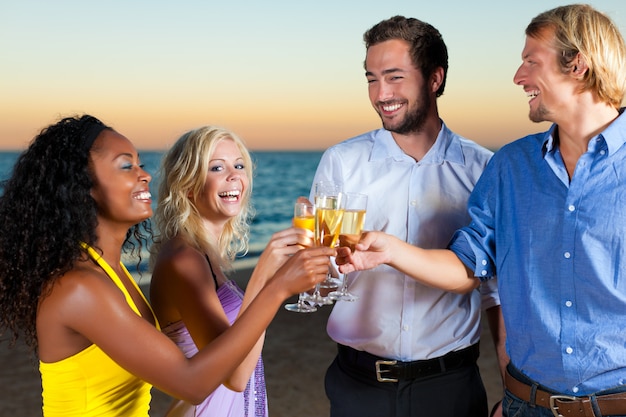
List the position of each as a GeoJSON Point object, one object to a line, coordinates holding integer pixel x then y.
{"type": "Point", "coordinates": [202, 217]}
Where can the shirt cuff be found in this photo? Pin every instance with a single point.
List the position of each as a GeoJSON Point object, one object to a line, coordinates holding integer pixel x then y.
{"type": "Point", "coordinates": [471, 255]}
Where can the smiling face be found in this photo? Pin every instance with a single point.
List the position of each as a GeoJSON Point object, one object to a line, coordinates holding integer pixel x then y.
{"type": "Point", "coordinates": [120, 184]}
{"type": "Point", "coordinates": [397, 89]}
{"type": "Point", "coordinates": [225, 185]}
{"type": "Point", "coordinates": [551, 91]}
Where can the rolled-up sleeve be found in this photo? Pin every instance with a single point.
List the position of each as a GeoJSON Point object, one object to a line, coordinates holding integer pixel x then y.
{"type": "Point", "coordinates": [472, 254]}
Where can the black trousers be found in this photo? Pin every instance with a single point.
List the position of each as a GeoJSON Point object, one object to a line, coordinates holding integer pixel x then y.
{"type": "Point", "coordinates": [455, 393]}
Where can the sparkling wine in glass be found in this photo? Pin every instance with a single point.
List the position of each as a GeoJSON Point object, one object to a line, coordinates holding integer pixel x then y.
{"type": "Point", "coordinates": [328, 216]}
{"type": "Point", "coordinates": [303, 217]}
{"type": "Point", "coordinates": [349, 235]}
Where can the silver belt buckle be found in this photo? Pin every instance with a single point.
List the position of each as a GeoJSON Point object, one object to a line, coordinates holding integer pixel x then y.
{"type": "Point", "coordinates": [562, 398]}
{"type": "Point", "coordinates": [379, 371]}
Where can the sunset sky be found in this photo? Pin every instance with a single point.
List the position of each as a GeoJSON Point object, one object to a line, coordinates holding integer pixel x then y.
{"type": "Point", "coordinates": [283, 74]}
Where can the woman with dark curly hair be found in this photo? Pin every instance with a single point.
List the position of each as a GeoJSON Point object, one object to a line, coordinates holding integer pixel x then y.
{"type": "Point", "coordinates": [77, 196]}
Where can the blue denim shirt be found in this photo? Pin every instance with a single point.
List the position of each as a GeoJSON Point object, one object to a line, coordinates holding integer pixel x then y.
{"type": "Point", "coordinates": [559, 250]}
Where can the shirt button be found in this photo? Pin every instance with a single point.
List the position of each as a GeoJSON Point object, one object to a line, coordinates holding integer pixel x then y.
{"type": "Point", "coordinates": [568, 303]}
{"type": "Point", "coordinates": [567, 255]}
{"type": "Point", "coordinates": [484, 262]}
{"type": "Point", "coordinates": [413, 203]}
{"type": "Point", "coordinates": [575, 389]}
{"type": "Point", "coordinates": [483, 272]}
{"type": "Point", "coordinates": [571, 208]}
{"type": "Point", "coordinates": [602, 152]}
{"type": "Point", "coordinates": [569, 350]}
{"type": "Point", "coordinates": [405, 328]}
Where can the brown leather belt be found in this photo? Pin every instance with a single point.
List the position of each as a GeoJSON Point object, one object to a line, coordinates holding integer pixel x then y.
{"type": "Point", "coordinates": [565, 405]}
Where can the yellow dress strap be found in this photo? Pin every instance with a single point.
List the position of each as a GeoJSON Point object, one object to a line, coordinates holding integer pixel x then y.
{"type": "Point", "coordinates": [115, 278]}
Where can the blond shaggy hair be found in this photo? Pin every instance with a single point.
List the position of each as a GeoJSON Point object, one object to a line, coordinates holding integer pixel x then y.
{"type": "Point", "coordinates": [579, 28]}
{"type": "Point", "coordinates": [183, 173]}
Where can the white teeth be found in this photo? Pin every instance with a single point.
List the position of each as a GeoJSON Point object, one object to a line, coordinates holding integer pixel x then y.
{"type": "Point", "coordinates": [532, 94]}
{"type": "Point", "coordinates": [392, 107]}
{"type": "Point", "coordinates": [230, 194]}
{"type": "Point", "coordinates": [145, 195]}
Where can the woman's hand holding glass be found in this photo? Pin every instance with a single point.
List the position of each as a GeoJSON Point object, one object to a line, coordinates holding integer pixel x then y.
{"type": "Point", "coordinates": [281, 246]}
{"type": "Point", "coordinates": [303, 218]}
{"type": "Point", "coordinates": [305, 269]}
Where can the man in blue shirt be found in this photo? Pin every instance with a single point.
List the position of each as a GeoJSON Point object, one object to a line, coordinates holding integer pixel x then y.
{"type": "Point", "coordinates": [405, 349]}
{"type": "Point", "coordinates": [549, 217]}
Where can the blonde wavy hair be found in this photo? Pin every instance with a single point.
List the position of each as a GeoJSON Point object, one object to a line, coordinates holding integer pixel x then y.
{"type": "Point", "coordinates": [579, 28]}
{"type": "Point", "coordinates": [182, 173]}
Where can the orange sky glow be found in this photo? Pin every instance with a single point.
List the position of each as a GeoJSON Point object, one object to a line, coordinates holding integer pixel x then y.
{"type": "Point", "coordinates": [281, 74]}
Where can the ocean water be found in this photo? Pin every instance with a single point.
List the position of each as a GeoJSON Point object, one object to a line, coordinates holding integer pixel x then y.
{"type": "Point", "coordinates": [279, 178]}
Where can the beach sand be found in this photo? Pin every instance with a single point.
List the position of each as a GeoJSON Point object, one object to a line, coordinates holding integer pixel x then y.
{"type": "Point", "coordinates": [296, 354]}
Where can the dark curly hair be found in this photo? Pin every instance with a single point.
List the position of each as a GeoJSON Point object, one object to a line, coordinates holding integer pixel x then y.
{"type": "Point", "coordinates": [46, 210]}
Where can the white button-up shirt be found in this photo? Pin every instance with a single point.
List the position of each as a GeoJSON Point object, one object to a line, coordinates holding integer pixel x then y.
{"type": "Point", "coordinates": [422, 203]}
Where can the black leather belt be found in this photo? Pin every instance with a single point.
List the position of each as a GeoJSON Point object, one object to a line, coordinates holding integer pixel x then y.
{"type": "Point", "coordinates": [389, 370]}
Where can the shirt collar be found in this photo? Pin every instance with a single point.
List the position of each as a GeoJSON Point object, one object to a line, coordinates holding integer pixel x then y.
{"type": "Point", "coordinates": [444, 148]}
{"type": "Point", "coordinates": [548, 140]}
{"type": "Point", "coordinates": [614, 135]}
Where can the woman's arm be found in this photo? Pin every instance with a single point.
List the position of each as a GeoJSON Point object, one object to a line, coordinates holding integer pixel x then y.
{"type": "Point", "coordinates": [279, 249]}
{"type": "Point", "coordinates": [97, 310]}
{"type": "Point", "coordinates": [182, 288]}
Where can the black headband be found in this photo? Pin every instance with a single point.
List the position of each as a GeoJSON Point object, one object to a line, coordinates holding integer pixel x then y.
{"type": "Point", "coordinates": [90, 136]}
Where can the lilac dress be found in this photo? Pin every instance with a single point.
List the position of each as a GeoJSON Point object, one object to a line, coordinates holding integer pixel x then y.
{"type": "Point", "coordinates": [223, 402]}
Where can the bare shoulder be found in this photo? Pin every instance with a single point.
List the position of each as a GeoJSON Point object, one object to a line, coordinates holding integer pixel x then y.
{"type": "Point", "coordinates": [80, 290]}
{"type": "Point", "coordinates": [180, 281]}
{"type": "Point", "coordinates": [73, 307]}
{"type": "Point", "coordinates": [178, 262]}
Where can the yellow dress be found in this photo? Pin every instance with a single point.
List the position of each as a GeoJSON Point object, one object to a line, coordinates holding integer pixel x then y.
{"type": "Point", "coordinates": [90, 383]}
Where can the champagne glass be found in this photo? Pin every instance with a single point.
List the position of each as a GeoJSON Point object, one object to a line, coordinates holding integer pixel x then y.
{"type": "Point", "coordinates": [349, 235]}
{"type": "Point", "coordinates": [328, 216]}
{"type": "Point", "coordinates": [303, 217]}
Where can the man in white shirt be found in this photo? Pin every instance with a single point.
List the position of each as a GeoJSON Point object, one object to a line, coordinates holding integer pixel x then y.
{"type": "Point", "coordinates": [405, 349]}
